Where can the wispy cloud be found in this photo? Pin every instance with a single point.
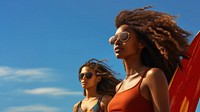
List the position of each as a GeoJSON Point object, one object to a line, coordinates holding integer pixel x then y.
{"type": "Point", "coordinates": [32, 108]}
{"type": "Point", "coordinates": [8, 73]}
{"type": "Point", "coordinates": [51, 91]}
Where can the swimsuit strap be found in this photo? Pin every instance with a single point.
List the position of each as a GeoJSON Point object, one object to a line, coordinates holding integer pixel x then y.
{"type": "Point", "coordinates": [79, 106]}
{"type": "Point", "coordinates": [119, 86]}
{"type": "Point", "coordinates": [144, 73]}
{"type": "Point", "coordinates": [97, 107]}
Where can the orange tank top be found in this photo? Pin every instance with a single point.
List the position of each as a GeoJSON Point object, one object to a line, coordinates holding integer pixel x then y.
{"type": "Point", "coordinates": [130, 100]}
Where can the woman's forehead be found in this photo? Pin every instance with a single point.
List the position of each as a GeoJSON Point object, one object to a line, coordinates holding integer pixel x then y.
{"type": "Point", "coordinates": [87, 69]}
{"type": "Point", "coordinates": [123, 28]}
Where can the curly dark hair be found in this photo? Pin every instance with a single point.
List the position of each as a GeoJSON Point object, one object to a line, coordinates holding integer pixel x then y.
{"type": "Point", "coordinates": [108, 81]}
{"type": "Point", "coordinates": [166, 43]}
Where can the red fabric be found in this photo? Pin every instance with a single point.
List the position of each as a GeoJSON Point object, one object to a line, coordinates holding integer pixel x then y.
{"type": "Point", "coordinates": [184, 89]}
{"type": "Point", "coordinates": [130, 101]}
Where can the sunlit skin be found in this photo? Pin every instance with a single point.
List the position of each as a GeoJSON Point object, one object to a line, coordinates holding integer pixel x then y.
{"type": "Point", "coordinates": [154, 86]}
{"type": "Point", "coordinates": [92, 95]}
{"type": "Point", "coordinates": [132, 45]}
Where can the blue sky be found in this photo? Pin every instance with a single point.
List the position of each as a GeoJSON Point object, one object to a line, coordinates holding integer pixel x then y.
{"type": "Point", "coordinates": [43, 43]}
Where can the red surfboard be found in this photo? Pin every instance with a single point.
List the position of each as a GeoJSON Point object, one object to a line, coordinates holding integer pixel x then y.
{"type": "Point", "coordinates": [184, 88]}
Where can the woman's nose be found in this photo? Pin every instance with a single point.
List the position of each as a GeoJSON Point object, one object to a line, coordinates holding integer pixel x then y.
{"type": "Point", "coordinates": [117, 41]}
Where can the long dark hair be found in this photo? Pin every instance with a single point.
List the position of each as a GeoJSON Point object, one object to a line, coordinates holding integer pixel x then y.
{"type": "Point", "coordinates": [166, 43]}
{"type": "Point", "coordinates": [108, 81]}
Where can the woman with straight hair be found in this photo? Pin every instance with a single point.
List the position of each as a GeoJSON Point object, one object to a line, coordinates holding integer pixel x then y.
{"type": "Point", "coordinates": [99, 84]}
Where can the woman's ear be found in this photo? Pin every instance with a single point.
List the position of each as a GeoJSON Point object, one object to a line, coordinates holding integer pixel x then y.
{"type": "Point", "coordinates": [98, 78]}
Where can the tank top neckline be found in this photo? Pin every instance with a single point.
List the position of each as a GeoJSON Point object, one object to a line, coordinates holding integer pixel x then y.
{"type": "Point", "coordinates": [138, 83]}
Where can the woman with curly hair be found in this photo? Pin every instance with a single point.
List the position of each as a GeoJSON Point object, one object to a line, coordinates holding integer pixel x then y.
{"type": "Point", "coordinates": [151, 45]}
{"type": "Point", "coordinates": [99, 84]}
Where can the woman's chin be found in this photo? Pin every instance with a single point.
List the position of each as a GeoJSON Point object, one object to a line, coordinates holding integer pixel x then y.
{"type": "Point", "coordinates": [118, 56]}
{"type": "Point", "coordinates": [84, 86]}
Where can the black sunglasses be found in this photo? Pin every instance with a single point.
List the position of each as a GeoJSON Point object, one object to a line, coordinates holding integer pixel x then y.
{"type": "Point", "coordinates": [87, 75]}
{"type": "Point", "coordinates": [123, 37]}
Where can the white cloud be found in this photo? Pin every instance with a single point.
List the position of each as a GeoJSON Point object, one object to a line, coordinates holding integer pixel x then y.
{"type": "Point", "coordinates": [32, 108]}
{"type": "Point", "coordinates": [5, 71]}
{"type": "Point", "coordinates": [51, 91]}
{"type": "Point", "coordinates": [8, 73]}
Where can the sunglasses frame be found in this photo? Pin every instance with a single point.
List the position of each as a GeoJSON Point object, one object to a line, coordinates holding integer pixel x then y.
{"type": "Point", "coordinates": [115, 37]}
{"type": "Point", "coordinates": [88, 75]}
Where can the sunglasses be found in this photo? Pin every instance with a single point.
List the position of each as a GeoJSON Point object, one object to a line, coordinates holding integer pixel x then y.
{"type": "Point", "coordinates": [87, 75]}
{"type": "Point", "coordinates": [123, 37]}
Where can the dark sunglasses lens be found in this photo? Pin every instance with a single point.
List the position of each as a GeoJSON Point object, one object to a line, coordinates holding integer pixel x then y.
{"type": "Point", "coordinates": [124, 36]}
{"type": "Point", "coordinates": [112, 40]}
{"type": "Point", "coordinates": [81, 75]}
{"type": "Point", "coordinates": [88, 75]}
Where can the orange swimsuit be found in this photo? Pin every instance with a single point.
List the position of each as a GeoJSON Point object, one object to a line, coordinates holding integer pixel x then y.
{"type": "Point", "coordinates": [130, 100]}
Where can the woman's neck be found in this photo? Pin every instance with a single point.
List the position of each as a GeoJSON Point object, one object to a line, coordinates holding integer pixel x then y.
{"type": "Point", "coordinates": [132, 66]}
{"type": "Point", "coordinates": [91, 93]}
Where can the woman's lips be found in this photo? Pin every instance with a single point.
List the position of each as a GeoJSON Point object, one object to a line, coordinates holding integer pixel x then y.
{"type": "Point", "coordinates": [117, 49]}
{"type": "Point", "coordinates": [83, 82]}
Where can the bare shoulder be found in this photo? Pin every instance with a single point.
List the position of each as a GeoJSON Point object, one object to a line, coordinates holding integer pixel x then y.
{"type": "Point", "coordinates": [155, 76]}
{"type": "Point", "coordinates": [106, 99]}
{"type": "Point", "coordinates": [75, 106]}
{"type": "Point", "coordinates": [157, 85]}
{"type": "Point", "coordinates": [155, 73]}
